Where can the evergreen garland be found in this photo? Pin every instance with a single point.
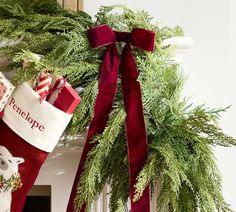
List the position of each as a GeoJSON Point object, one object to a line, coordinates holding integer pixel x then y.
{"type": "Point", "coordinates": [180, 136]}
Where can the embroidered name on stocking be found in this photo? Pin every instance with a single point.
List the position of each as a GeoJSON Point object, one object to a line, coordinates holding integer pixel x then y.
{"type": "Point", "coordinates": [26, 116]}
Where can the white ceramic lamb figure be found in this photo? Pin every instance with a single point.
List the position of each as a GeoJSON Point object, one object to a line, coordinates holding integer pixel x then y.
{"type": "Point", "coordinates": [8, 169]}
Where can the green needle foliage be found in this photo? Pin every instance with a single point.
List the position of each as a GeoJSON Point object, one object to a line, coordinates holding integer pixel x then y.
{"type": "Point", "coordinates": [180, 136]}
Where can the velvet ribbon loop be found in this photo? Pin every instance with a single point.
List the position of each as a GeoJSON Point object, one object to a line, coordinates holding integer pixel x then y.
{"type": "Point", "coordinates": [135, 126]}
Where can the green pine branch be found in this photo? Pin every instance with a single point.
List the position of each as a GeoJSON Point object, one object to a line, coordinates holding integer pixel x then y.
{"type": "Point", "coordinates": [180, 136]}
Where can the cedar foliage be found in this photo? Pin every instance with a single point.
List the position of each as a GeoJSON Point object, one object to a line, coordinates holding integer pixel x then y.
{"type": "Point", "coordinates": [180, 136]}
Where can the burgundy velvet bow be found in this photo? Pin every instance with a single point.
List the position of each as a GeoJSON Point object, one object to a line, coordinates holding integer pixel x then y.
{"type": "Point", "coordinates": [135, 126]}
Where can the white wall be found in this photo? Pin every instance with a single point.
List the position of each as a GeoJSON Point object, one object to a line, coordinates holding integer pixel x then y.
{"type": "Point", "coordinates": [211, 69]}
{"type": "Point", "coordinates": [59, 171]}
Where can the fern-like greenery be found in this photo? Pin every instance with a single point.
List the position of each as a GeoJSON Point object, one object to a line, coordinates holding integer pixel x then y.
{"type": "Point", "coordinates": [180, 136]}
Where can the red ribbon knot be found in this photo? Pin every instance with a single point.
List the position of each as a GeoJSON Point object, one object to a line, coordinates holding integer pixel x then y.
{"type": "Point", "coordinates": [135, 127]}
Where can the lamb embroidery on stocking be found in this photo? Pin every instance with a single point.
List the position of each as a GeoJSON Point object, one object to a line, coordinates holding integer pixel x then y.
{"type": "Point", "coordinates": [9, 177]}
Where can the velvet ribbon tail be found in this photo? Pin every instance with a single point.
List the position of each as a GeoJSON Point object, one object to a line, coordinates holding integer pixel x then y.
{"type": "Point", "coordinates": [103, 106]}
{"type": "Point", "coordinates": [135, 127]}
